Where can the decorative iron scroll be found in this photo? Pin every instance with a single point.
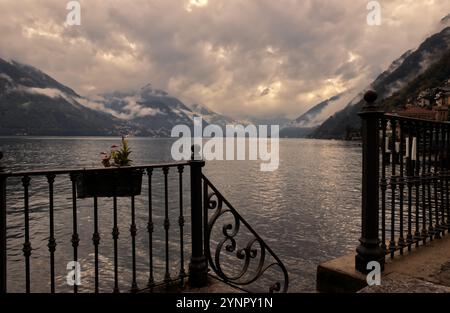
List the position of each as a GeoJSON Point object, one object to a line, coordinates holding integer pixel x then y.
{"type": "Point", "coordinates": [254, 252]}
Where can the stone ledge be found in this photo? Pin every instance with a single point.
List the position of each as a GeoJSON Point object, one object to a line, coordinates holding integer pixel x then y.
{"type": "Point", "coordinates": [429, 263]}
{"type": "Point", "coordinates": [339, 276]}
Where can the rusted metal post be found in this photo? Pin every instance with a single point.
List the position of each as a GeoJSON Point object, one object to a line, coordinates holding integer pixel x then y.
{"type": "Point", "coordinates": [198, 267]}
{"type": "Point", "coordinates": [369, 249]}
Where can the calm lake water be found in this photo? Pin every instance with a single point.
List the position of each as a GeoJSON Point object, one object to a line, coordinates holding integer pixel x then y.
{"type": "Point", "coordinates": [308, 211]}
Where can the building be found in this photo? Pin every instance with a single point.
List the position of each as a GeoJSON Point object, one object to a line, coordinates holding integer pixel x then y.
{"type": "Point", "coordinates": [443, 96]}
{"type": "Point", "coordinates": [430, 104]}
{"type": "Point", "coordinates": [425, 98]}
{"type": "Point", "coordinates": [418, 112]}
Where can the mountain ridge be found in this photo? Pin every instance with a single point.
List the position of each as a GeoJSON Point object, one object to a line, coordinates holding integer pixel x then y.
{"type": "Point", "coordinates": [401, 72]}
{"type": "Point", "coordinates": [33, 103]}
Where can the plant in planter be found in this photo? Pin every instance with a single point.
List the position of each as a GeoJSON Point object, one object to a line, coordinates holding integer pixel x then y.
{"type": "Point", "coordinates": [117, 157]}
{"type": "Point", "coordinates": [122, 182]}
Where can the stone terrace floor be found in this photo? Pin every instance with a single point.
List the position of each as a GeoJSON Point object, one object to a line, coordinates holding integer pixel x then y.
{"type": "Point", "coordinates": [423, 270]}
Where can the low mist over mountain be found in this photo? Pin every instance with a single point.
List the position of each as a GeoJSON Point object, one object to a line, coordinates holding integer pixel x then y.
{"type": "Point", "coordinates": [33, 103]}
{"type": "Point", "coordinates": [215, 118]}
{"type": "Point", "coordinates": [151, 111]}
{"type": "Point", "coordinates": [302, 126]}
{"type": "Point", "coordinates": [401, 73]}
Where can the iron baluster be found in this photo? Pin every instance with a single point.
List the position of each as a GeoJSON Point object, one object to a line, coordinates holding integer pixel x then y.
{"type": "Point", "coordinates": [447, 172]}
{"type": "Point", "coordinates": [51, 239]}
{"type": "Point", "coordinates": [401, 182]}
{"type": "Point", "coordinates": [436, 170]}
{"type": "Point", "coordinates": [151, 280]}
{"type": "Point", "coordinates": [383, 184]}
{"type": "Point", "coordinates": [75, 238]}
{"type": "Point", "coordinates": [392, 243]}
{"type": "Point", "coordinates": [409, 182]}
{"type": "Point", "coordinates": [167, 278]}
{"type": "Point", "coordinates": [96, 242]}
{"type": "Point", "coordinates": [27, 245]}
{"type": "Point", "coordinates": [417, 183]}
{"type": "Point", "coordinates": [442, 178]}
{"type": "Point", "coordinates": [423, 179]}
{"type": "Point", "coordinates": [133, 232]}
{"type": "Point", "coordinates": [182, 273]}
{"type": "Point", "coordinates": [115, 235]}
{"type": "Point", "coordinates": [431, 231]}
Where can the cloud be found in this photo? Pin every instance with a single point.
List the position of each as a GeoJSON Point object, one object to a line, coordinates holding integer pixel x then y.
{"type": "Point", "coordinates": [241, 57]}
{"type": "Point", "coordinates": [130, 110]}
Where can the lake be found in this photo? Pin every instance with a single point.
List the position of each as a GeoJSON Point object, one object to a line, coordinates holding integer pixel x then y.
{"type": "Point", "coordinates": [308, 210]}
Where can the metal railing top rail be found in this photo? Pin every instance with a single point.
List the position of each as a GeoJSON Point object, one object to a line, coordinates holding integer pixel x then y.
{"type": "Point", "coordinates": [415, 119]}
{"type": "Point", "coordinates": [88, 170]}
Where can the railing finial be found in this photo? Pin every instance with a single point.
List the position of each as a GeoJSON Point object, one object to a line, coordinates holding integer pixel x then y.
{"type": "Point", "coordinates": [370, 96]}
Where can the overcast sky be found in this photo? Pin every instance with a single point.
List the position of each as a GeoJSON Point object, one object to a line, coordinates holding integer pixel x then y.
{"type": "Point", "coordinates": [239, 57]}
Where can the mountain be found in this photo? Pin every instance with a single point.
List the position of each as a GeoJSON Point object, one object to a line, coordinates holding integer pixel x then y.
{"type": "Point", "coordinates": [435, 76]}
{"type": "Point", "coordinates": [152, 112]}
{"type": "Point", "coordinates": [156, 112]}
{"type": "Point", "coordinates": [212, 117]}
{"type": "Point", "coordinates": [308, 118]}
{"type": "Point", "coordinates": [33, 103]}
{"type": "Point", "coordinates": [308, 122]}
{"type": "Point", "coordinates": [401, 72]}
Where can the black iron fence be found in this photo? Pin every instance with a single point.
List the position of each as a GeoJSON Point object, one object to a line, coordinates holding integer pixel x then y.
{"type": "Point", "coordinates": [405, 183]}
{"type": "Point", "coordinates": [87, 190]}
{"type": "Point", "coordinates": [241, 243]}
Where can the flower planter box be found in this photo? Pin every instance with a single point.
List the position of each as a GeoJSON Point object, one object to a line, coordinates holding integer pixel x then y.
{"type": "Point", "coordinates": [120, 183]}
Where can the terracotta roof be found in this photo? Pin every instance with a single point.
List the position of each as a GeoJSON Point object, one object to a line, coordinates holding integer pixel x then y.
{"type": "Point", "coordinates": [414, 110]}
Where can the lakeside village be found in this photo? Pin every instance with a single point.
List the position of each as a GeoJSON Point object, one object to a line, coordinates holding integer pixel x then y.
{"type": "Point", "coordinates": [430, 104]}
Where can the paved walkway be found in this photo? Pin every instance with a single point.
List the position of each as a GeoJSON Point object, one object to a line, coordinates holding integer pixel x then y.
{"type": "Point", "coordinates": [424, 270]}
{"type": "Point", "coordinates": [398, 283]}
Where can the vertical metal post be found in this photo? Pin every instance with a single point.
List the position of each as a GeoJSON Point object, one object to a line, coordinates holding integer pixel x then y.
{"type": "Point", "coordinates": [369, 248]}
{"type": "Point", "coordinates": [2, 233]}
{"type": "Point", "coordinates": [198, 267]}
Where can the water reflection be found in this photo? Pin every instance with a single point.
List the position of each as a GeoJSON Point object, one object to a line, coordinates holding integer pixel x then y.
{"type": "Point", "coordinates": [308, 210]}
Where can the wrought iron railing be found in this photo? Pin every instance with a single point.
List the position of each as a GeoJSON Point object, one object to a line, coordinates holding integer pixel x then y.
{"type": "Point", "coordinates": [414, 182]}
{"type": "Point", "coordinates": [69, 176]}
{"type": "Point", "coordinates": [239, 244]}
{"type": "Point", "coordinates": [405, 183]}
{"type": "Point", "coordinates": [61, 195]}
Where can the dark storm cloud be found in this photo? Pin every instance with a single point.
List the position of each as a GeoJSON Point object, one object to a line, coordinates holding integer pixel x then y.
{"type": "Point", "coordinates": [240, 57]}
